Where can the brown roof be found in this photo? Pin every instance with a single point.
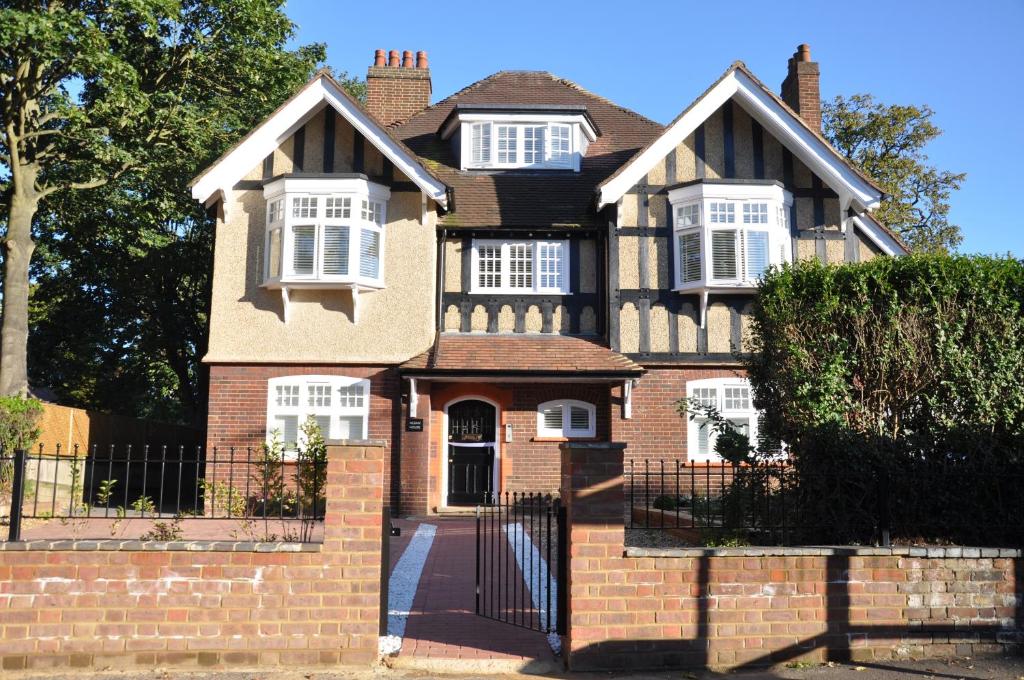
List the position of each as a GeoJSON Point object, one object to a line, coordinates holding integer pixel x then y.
{"type": "Point", "coordinates": [526, 354]}
{"type": "Point", "coordinates": [525, 198]}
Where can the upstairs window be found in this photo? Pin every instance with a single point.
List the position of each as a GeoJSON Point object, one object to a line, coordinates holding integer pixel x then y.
{"type": "Point", "coordinates": [729, 241]}
{"type": "Point", "coordinates": [520, 145]}
{"type": "Point", "coordinates": [340, 405]}
{"type": "Point", "coordinates": [566, 418]}
{"type": "Point", "coordinates": [520, 267]}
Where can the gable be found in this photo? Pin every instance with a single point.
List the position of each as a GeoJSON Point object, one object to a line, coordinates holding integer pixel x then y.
{"type": "Point", "coordinates": [272, 137]}
{"type": "Point", "coordinates": [773, 116]}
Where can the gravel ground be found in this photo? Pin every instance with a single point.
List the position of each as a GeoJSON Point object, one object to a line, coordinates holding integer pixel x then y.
{"type": "Point", "coordinates": [990, 668]}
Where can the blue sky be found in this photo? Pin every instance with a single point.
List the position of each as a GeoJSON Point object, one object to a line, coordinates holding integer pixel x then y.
{"type": "Point", "coordinates": [965, 60]}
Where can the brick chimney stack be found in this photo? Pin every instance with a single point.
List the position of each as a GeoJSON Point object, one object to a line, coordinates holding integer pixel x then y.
{"type": "Point", "coordinates": [398, 89]}
{"type": "Point", "coordinates": [801, 89]}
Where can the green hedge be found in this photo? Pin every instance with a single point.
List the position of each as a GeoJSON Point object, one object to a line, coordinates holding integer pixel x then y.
{"type": "Point", "coordinates": [905, 378]}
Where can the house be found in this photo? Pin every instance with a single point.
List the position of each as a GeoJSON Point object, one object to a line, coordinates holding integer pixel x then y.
{"type": "Point", "coordinates": [520, 263]}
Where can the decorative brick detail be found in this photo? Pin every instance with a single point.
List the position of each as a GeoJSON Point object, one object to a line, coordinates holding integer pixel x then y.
{"type": "Point", "coordinates": [733, 607]}
{"type": "Point", "coordinates": [177, 605]}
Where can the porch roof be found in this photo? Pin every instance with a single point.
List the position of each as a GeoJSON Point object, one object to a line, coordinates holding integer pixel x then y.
{"type": "Point", "coordinates": [521, 355]}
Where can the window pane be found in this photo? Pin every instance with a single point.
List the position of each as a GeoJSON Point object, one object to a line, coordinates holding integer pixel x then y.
{"type": "Point", "coordinates": [737, 399]}
{"type": "Point", "coordinates": [688, 215]}
{"type": "Point", "coordinates": [318, 396]}
{"type": "Point", "coordinates": [755, 213]}
{"type": "Point", "coordinates": [303, 249]}
{"type": "Point", "coordinates": [350, 427]}
{"type": "Point", "coordinates": [507, 143]}
{"type": "Point", "coordinates": [579, 418]}
{"type": "Point", "coordinates": [336, 246]}
{"type": "Point", "coordinates": [703, 437]}
{"type": "Point", "coordinates": [274, 254]}
{"type": "Point", "coordinates": [350, 396]}
{"type": "Point", "coordinates": [533, 145]}
{"type": "Point", "coordinates": [757, 254]}
{"type": "Point", "coordinates": [520, 265]}
{"type": "Point", "coordinates": [275, 211]}
{"type": "Point", "coordinates": [723, 254]}
{"type": "Point", "coordinates": [689, 257]}
{"type": "Point", "coordinates": [337, 207]}
{"type": "Point", "coordinates": [558, 144]}
{"type": "Point", "coordinates": [288, 430]}
{"type": "Point", "coordinates": [741, 425]}
{"type": "Point", "coordinates": [552, 418]}
{"type": "Point", "coordinates": [489, 266]}
{"type": "Point", "coordinates": [324, 423]}
{"type": "Point", "coordinates": [481, 143]}
{"type": "Point", "coordinates": [550, 257]}
{"type": "Point", "coordinates": [373, 211]}
{"type": "Point", "coordinates": [287, 395]}
{"type": "Point", "coordinates": [706, 396]}
{"type": "Point", "coordinates": [369, 254]}
{"type": "Point", "coordinates": [722, 213]}
{"type": "Point", "coordinates": [304, 206]}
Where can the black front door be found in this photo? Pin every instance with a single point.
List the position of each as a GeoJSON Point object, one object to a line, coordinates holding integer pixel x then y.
{"type": "Point", "coordinates": [471, 442]}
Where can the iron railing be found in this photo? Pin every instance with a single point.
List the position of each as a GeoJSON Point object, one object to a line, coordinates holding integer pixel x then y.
{"type": "Point", "coordinates": [102, 492]}
{"type": "Point", "coordinates": [775, 503]}
{"type": "Point", "coordinates": [521, 561]}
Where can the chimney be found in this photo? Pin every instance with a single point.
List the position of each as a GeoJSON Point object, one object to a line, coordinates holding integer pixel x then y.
{"type": "Point", "coordinates": [801, 90]}
{"type": "Point", "coordinates": [396, 91]}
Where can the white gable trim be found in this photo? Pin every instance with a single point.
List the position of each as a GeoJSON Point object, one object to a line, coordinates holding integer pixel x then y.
{"type": "Point", "coordinates": [815, 153]}
{"type": "Point", "coordinates": [272, 132]}
{"type": "Point", "coordinates": [885, 242]}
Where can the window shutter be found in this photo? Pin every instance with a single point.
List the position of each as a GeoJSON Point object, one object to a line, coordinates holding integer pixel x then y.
{"type": "Point", "coordinates": [757, 254]}
{"type": "Point", "coordinates": [558, 144]}
{"type": "Point", "coordinates": [723, 254]}
{"type": "Point", "coordinates": [765, 442]}
{"type": "Point", "coordinates": [288, 428]}
{"type": "Point", "coordinates": [324, 423]}
{"type": "Point", "coordinates": [350, 427]}
{"type": "Point", "coordinates": [303, 249]}
{"type": "Point", "coordinates": [369, 254]}
{"type": "Point", "coordinates": [481, 143]}
{"type": "Point", "coordinates": [533, 145]}
{"type": "Point", "coordinates": [489, 266]}
{"type": "Point", "coordinates": [551, 258]}
{"type": "Point", "coordinates": [689, 257]}
{"type": "Point", "coordinates": [553, 418]}
{"type": "Point", "coordinates": [336, 244]}
{"type": "Point", "coordinates": [703, 437]}
{"type": "Point", "coordinates": [579, 419]}
{"type": "Point", "coordinates": [521, 265]}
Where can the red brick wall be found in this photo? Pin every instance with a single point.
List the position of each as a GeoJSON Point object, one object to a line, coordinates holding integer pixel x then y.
{"type": "Point", "coordinates": [118, 608]}
{"type": "Point", "coordinates": [734, 607]}
{"type": "Point", "coordinates": [238, 405]}
{"type": "Point", "coordinates": [394, 94]}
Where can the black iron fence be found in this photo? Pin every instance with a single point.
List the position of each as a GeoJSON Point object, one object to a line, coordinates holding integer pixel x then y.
{"type": "Point", "coordinates": [162, 492]}
{"type": "Point", "coordinates": [521, 561]}
{"type": "Point", "coordinates": [775, 503]}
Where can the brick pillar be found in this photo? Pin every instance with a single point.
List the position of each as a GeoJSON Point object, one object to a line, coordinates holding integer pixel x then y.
{"type": "Point", "coordinates": [592, 490]}
{"type": "Point", "coordinates": [353, 531]}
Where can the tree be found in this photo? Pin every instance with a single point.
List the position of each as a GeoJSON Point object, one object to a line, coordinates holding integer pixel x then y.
{"type": "Point", "coordinates": [92, 93]}
{"type": "Point", "coordinates": [887, 142]}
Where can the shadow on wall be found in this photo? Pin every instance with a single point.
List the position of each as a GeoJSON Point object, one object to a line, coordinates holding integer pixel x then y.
{"type": "Point", "coordinates": [839, 642]}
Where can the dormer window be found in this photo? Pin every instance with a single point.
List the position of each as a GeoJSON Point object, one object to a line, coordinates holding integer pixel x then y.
{"type": "Point", "coordinates": [533, 137]}
{"type": "Point", "coordinates": [727, 235]}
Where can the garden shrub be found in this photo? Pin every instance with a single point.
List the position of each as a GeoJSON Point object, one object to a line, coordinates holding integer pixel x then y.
{"type": "Point", "coordinates": [19, 429]}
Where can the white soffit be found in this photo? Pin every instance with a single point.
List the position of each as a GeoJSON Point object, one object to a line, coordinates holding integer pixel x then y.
{"type": "Point", "coordinates": [879, 236]}
{"type": "Point", "coordinates": [814, 152]}
{"type": "Point", "coordinates": [319, 93]}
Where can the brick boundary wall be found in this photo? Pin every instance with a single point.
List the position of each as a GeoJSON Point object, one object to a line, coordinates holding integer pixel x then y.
{"type": "Point", "coordinates": [745, 607]}
{"type": "Point", "coordinates": [117, 604]}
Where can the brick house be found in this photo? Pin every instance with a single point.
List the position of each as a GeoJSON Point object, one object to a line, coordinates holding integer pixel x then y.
{"type": "Point", "coordinates": [520, 263]}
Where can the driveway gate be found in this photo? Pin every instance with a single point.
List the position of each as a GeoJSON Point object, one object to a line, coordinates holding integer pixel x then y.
{"type": "Point", "coordinates": [521, 561]}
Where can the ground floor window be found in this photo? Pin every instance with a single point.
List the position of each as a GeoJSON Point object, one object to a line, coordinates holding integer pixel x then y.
{"type": "Point", "coordinates": [566, 418]}
{"type": "Point", "coordinates": [733, 399]}
{"type": "Point", "coordinates": [340, 405]}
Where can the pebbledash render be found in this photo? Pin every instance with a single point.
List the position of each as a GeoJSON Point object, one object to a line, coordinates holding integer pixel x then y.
{"type": "Point", "coordinates": [522, 263]}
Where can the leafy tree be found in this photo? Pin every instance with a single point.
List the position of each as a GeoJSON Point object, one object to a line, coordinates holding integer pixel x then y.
{"type": "Point", "coordinates": [887, 142]}
{"type": "Point", "coordinates": [92, 94]}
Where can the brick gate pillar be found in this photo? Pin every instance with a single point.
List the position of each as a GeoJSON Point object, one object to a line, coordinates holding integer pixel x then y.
{"type": "Point", "coordinates": [592, 490]}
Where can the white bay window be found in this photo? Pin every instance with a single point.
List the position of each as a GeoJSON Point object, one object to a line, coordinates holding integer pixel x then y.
{"type": "Point", "coordinates": [340, 406]}
{"type": "Point", "coordinates": [520, 266]}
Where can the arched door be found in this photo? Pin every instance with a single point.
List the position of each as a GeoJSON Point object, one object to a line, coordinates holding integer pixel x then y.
{"type": "Point", "coordinates": [471, 442]}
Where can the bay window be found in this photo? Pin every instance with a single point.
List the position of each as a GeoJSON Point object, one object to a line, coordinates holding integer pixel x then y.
{"type": "Point", "coordinates": [340, 406]}
{"type": "Point", "coordinates": [520, 266]}
{"type": "Point", "coordinates": [726, 236]}
{"type": "Point", "coordinates": [324, 232]}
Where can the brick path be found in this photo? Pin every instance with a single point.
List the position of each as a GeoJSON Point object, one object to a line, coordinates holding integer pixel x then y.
{"type": "Point", "coordinates": [443, 623]}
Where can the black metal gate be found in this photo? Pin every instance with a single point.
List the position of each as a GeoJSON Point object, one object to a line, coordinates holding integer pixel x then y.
{"type": "Point", "coordinates": [521, 561]}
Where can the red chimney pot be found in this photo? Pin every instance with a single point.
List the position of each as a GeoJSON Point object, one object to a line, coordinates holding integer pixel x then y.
{"type": "Point", "coordinates": [407, 59]}
{"type": "Point", "coordinates": [378, 58]}
{"type": "Point", "coordinates": [421, 60]}
{"type": "Point", "coordinates": [393, 59]}
{"type": "Point", "coordinates": [803, 52]}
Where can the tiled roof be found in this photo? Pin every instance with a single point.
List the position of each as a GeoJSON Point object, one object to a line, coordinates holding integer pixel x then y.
{"type": "Point", "coordinates": [525, 198]}
{"type": "Point", "coordinates": [527, 354]}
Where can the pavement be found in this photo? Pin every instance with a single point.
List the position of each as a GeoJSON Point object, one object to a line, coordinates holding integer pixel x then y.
{"type": "Point", "coordinates": [989, 668]}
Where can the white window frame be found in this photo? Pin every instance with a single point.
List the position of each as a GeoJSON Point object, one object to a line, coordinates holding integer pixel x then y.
{"type": "Point", "coordinates": [566, 431]}
{"type": "Point", "coordinates": [554, 126]}
{"type": "Point", "coordinates": [338, 407]}
{"type": "Point", "coordinates": [693, 425]}
{"type": "Point", "coordinates": [738, 197]}
{"type": "Point", "coordinates": [357, 192]}
{"type": "Point", "coordinates": [505, 286]}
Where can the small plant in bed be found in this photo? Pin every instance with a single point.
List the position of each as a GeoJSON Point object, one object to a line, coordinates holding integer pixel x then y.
{"type": "Point", "coordinates": [666, 502]}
